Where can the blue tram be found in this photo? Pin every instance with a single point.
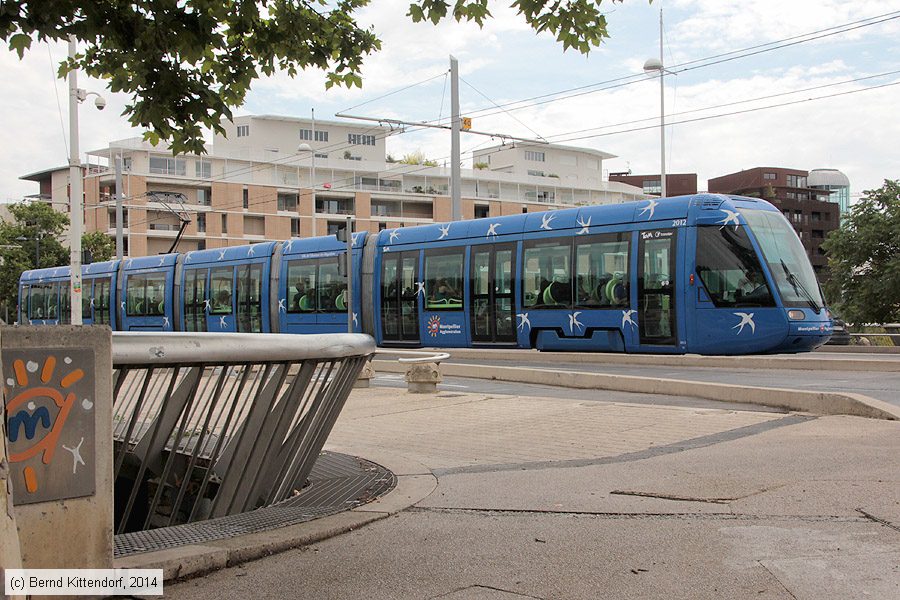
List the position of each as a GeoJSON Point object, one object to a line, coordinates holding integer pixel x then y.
{"type": "Point", "coordinates": [705, 274]}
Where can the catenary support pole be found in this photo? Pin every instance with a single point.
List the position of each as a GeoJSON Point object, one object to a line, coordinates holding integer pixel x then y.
{"type": "Point", "coordinates": [455, 167]}
{"type": "Point", "coordinates": [75, 193]}
{"type": "Point", "coordinates": [120, 245]}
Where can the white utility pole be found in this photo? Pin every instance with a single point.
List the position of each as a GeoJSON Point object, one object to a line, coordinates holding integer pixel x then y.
{"type": "Point", "coordinates": [662, 112]}
{"type": "Point", "coordinates": [119, 212]}
{"type": "Point", "coordinates": [455, 158]}
{"type": "Point", "coordinates": [76, 213]}
{"type": "Point", "coordinates": [349, 274]}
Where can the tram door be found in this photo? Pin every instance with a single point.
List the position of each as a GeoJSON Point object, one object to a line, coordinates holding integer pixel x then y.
{"type": "Point", "coordinates": [492, 292]}
{"type": "Point", "coordinates": [399, 300]}
{"type": "Point", "coordinates": [656, 287]}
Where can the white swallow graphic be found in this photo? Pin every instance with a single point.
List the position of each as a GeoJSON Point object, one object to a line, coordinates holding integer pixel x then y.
{"type": "Point", "coordinates": [162, 261]}
{"type": "Point", "coordinates": [393, 236]}
{"type": "Point", "coordinates": [355, 322]}
{"type": "Point", "coordinates": [445, 230]}
{"type": "Point", "coordinates": [420, 288]}
{"type": "Point", "coordinates": [523, 321]}
{"type": "Point", "coordinates": [731, 217]}
{"type": "Point", "coordinates": [222, 254]}
{"type": "Point", "coordinates": [746, 319]}
{"type": "Point", "coordinates": [223, 323]}
{"type": "Point", "coordinates": [355, 239]}
{"type": "Point", "coordinates": [492, 230]}
{"type": "Point", "coordinates": [250, 250]}
{"type": "Point", "coordinates": [123, 305]}
{"type": "Point", "coordinates": [165, 322]}
{"type": "Point", "coordinates": [128, 263]}
{"type": "Point", "coordinates": [287, 246]}
{"type": "Point", "coordinates": [585, 226]}
{"type": "Point", "coordinates": [545, 221]}
{"type": "Point", "coordinates": [626, 318]}
{"type": "Point", "coordinates": [76, 455]}
{"type": "Point", "coordinates": [187, 257]}
{"type": "Point", "coordinates": [206, 306]}
{"type": "Point", "coordinates": [92, 303]}
{"type": "Point", "coordinates": [651, 206]}
{"type": "Point", "coordinates": [281, 306]}
{"type": "Point", "coordinates": [55, 271]}
{"type": "Point", "coordinates": [87, 269]}
{"type": "Point", "coordinates": [574, 322]}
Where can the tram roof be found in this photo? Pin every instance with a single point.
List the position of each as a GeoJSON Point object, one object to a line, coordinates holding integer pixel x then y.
{"type": "Point", "coordinates": [62, 273]}
{"type": "Point", "coordinates": [229, 253]}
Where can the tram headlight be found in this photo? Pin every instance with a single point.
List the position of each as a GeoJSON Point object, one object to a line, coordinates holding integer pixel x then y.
{"type": "Point", "coordinates": [796, 315]}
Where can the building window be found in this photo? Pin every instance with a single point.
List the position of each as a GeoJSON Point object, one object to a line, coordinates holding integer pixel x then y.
{"type": "Point", "coordinates": [201, 223]}
{"type": "Point", "coordinates": [163, 165]}
{"type": "Point", "coordinates": [287, 201]}
{"type": "Point", "coordinates": [382, 226]}
{"type": "Point", "coordinates": [203, 169]}
{"type": "Point", "coordinates": [482, 212]}
{"type": "Point", "coordinates": [334, 206]}
{"type": "Point", "coordinates": [798, 181]}
{"type": "Point", "coordinates": [652, 186]}
{"type": "Point", "coordinates": [246, 198]}
{"type": "Point", "coordinates": [360, 139]}
{"type": "Point", "coordinates": [204, 197]}
{"type": "Point", "coordinates": [534, 155]}
{"type": "Point", "coordinates": [112, 218]}
{"type": "Point", "coordinates": [307, 134]}
{"type": "Point", "coordinates": [243, 130]}
{"type": "Point", "coordinates": [535, 173]}
{"type": "Point", "coordinates": [224, 224]}
{"type": "Point", "coordinates": [769, 176]}
{"type": "Point", "coordinates": [201, 245]}
{"type": "Point", "coordinates": [295, 227]}
{"type": "Point", "coordinates": [254, 226]}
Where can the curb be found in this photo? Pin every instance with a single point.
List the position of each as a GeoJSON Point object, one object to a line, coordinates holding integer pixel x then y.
{"type": "Point", "coordinates": [806, 362]}
{"type": "Point", "coordinates": [414, 483]}
{"type": "Point", "coordinates": [818, 403]}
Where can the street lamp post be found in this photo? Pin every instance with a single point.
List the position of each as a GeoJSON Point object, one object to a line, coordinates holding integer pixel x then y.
{"type": "Point", "coordinates": [651, 66]}
{"type": "Point", "coordinates": [76, 200]}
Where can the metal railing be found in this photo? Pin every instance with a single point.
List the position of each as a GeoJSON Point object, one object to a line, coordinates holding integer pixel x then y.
{"type": "Point", "coordinates": [207, 425]}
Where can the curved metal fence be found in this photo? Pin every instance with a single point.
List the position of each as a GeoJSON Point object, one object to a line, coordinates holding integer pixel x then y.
{"type": "Point", "coordinates": [207, 425]}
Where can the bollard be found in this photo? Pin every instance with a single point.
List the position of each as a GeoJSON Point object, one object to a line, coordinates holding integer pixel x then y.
{"type": "Point", "coordinates": [422, 378]}
{"type": "Point", "coordinates": [365, 376]}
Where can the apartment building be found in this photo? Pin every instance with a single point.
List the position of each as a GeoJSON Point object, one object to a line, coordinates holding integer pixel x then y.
{"type": "Point", "coordinates": [275, 177]}
{"type": "Point", "coordinates": [677, 184]}
{"type": "Point", "coordinates": [789, 190]}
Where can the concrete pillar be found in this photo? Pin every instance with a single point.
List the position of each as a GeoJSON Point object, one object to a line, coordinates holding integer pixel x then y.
{"type": "Point", "coordinates": [422, 378]}
{"type": "Point", "coordinates": [365, 376]}
{"type": "Point", "coordinates": [10, 558]}
{"type": "Point", "coordinates": [58, 383]}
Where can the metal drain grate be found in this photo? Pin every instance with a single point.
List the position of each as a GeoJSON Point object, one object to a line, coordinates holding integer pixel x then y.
{"type": "Point", "coordinates": [338, 482]}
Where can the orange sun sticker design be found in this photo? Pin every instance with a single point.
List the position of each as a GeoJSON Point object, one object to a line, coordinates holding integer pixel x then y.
{"type": "Point", "coordinates": [38, 413]}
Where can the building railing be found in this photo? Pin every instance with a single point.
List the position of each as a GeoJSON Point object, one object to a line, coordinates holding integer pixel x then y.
{"type": "Point", "coordinates": [207, 425]}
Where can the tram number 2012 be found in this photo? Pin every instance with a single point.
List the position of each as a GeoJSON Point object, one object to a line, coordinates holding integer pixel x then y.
{"type": "Point", "coordinates": [679, 222]}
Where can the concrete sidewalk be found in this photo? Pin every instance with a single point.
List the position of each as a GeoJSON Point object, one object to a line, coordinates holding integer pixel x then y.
{"type": "Point", "coordinates": [549, 498]}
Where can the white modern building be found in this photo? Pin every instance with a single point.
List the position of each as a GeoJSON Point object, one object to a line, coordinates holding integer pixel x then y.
{"type": "Point", "coordinates": [834, 182]}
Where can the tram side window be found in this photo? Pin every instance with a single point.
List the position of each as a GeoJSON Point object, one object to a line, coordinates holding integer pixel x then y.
{"type": "Point", "coordinates": [220, 290]}
{"type": "Point", "coordinates": [547, 274]}
{"type": "Point", "coordinates": [332, 287]}
{"type": "Point", "coordinates": [601, 271]}
{"type": "Point", "coordinates": [195, 299]}
{"type": "Point", "coordinates": [145, 295]}
{"type": "Point", "coordinates": [101, 301]}
{"type": "Point", "coordinates": [24, 301]}
{"type": "Point", "coordinates": [729, 268]}
{"type": "Point", "coordinates": [444, 280]}
{"type": "Point", "coordinates": [65, 302]}
{"type": "Point", "coordinates": [301, 286]}
{"type": "Point", "coordinates": [249, 294]}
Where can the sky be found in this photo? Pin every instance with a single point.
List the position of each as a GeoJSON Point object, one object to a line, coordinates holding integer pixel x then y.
{"type": "Point", "coordinates": [856, 130]}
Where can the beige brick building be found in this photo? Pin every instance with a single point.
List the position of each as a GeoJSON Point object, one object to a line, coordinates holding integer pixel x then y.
{"type": "Point", "coordinates": [258, 184]}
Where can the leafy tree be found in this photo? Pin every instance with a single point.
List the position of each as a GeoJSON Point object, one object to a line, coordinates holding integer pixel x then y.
{"type": "Point", "coordinates": [864, 258]}
{"type": "Point", "coordinates": [32, 236]}
{"type": "Point", "coordinates": [100, 246]}
{"type": "Point", "coordinates": [186, 64]}
{"type": "Point", "coordinates": [417, 158]}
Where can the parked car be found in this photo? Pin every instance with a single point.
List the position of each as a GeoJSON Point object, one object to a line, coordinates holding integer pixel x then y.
{"type": "Point", "coordinates": [840, 337]}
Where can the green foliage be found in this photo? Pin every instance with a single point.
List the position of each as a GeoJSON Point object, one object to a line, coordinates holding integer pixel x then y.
{"type": "Point", "coordinates": [34, 230]}
{"type": "Point", "coordinates": [481, 165]}
{"type": "Point", "coordinates": [186, 64]}
{"type": "Point", "coordinates": [417, 158]}
{"type": "Point", "coordinates": [864, 259]}
{"type": "Point", "coordinates": [100, 246]}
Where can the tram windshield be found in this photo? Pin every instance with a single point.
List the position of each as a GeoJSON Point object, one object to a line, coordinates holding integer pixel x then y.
{"type": "Point", "coordinates": [786, 258]}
